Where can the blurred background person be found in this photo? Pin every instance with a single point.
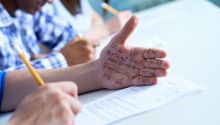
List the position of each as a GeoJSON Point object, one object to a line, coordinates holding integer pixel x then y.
{"type": "Point", "coordinates": [86, 21]}
{"type": "Point", "coordinates": [25, 25]}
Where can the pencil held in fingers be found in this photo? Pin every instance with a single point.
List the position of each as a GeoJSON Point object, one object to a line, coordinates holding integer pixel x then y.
{"type": "Point", "coordinates": [33, 72]}
{"type": "Point", "coordinates": [80, 38]}
{"type": "Point", "coordinates": [109, 8]}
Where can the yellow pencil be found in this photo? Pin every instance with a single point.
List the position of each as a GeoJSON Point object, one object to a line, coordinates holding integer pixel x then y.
{"type": "Point", "coordinates": [79, 37]}
{"type": "Point", "coordinates": [33, 72]}
{"type": "Point", "coordinates": [109, 8]}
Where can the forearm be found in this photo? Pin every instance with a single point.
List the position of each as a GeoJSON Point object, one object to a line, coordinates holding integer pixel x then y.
{"type": "Point", "coordinates": [84, 75]}
{"type": "Point", "coordinates": [19, 84]}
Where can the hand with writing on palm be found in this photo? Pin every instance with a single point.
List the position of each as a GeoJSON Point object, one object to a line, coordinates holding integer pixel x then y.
{"type": "Point", "coordinates": [120, 66]}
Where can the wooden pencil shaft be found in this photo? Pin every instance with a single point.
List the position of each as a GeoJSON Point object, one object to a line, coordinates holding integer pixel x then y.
{"type": "Point", "coordinates": [33, 72]}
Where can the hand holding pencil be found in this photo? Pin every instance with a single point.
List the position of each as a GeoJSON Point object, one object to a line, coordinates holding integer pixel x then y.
{"type": "Point", "coordinates": [119, 19]}
{"type": "Point", "coordinates": [55, 103]}
{"type": "Point", "coordinates": [78, 51]}
{"type": "Point", "coordinates": [109, 8]}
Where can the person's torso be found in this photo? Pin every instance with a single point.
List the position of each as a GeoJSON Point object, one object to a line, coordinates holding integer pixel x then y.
{"type": "Point", "coordinates": [16, 32]}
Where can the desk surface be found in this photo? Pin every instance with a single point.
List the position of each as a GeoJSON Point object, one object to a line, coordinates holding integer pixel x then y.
{"type": "Point", "coordinates": [190, 32]}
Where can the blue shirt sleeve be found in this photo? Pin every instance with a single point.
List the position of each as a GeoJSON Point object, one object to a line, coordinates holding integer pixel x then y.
{"type": "Point", "coordinates": [52, 31]}
{"type": "Point", "coordinates": [2, 83]}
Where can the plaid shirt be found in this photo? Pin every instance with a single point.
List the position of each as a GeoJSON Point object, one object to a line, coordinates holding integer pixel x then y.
{"type": "Point", "coordinates": [27, 32]}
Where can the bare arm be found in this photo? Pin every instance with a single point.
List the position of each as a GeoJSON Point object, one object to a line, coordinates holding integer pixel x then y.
{"type": "Point", "coordinates": [19, 84]}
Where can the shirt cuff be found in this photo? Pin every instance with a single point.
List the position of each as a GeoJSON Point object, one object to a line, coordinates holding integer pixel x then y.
{"type": "Point", "coordinates": [53, 60]}
{"type": "Point", "coordinates": [59, 46]}
{"type": "Point", "coordinates": [2, 85]}
{"type": "Point", "coordinates": [61, 58]}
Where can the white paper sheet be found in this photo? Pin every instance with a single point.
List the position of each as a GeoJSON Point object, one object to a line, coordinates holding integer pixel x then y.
{"type": "Point", "coordinates": [135, 100]}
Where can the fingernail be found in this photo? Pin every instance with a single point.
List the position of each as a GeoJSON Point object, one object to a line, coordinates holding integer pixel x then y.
{"type": "Point", "coordinates": [153, 81]}
{"type": "Point", "coordinates": [165, 65]}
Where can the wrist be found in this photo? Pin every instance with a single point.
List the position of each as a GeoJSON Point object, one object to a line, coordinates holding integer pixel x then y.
{"type": "Point", "coordinates": [95, 71]}
{"type": "Point", "coordinates": [85, 76]}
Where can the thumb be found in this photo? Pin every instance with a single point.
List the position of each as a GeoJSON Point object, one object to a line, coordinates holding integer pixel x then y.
{"type": "Point", "coordinates": [126, 31]}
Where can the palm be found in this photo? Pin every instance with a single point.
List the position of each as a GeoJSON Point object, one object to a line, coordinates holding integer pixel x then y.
{"type": "Point", "coordinates": [123, 67]}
